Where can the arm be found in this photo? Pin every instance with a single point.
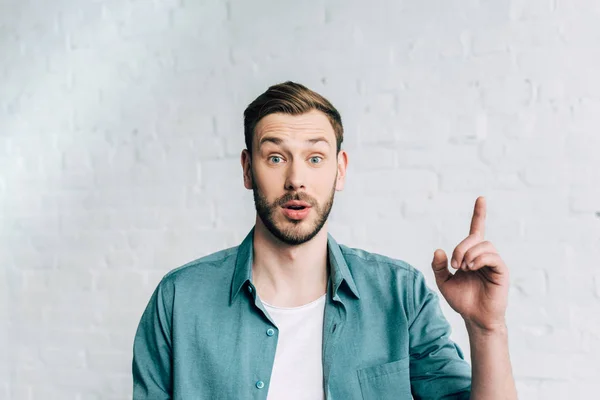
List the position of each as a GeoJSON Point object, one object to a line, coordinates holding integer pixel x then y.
{"type": "Point", "coordinates": [492, 373]}
{"type": "Point", "coordinates": [478, 291]}
{"type": "Point", "coordinates": [438, 369]}
{"type": "Point", "coordinates": [152, 349]}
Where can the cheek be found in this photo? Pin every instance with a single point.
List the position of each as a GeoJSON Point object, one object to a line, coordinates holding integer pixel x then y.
{"type": "Point", "coordinates": [267, 180]}
{"type": "Point", "coordinates": [327, 179]}
{"type": "Point", "coordinates": [324, 188]}
{"type": "Point", "coordinates": [269, 190]}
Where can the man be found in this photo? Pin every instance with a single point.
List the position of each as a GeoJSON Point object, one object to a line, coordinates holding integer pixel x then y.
{"type": "Point", "coordinates": [292, 314]}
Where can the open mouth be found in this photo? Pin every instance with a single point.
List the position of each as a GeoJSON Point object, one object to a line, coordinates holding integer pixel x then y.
{"type": "Point", "coordinates": [296, 212]}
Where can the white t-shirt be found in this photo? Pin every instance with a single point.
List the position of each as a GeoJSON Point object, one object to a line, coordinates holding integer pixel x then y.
{"type": "Point", "coordinates": [297, 369]}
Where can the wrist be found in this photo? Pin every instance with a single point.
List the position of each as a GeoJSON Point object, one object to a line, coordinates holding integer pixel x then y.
{"type": "Point", "coordinates": [496, 328]}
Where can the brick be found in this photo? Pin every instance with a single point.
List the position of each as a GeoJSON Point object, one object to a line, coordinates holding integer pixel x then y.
{"type": "Point", "coordinates": [396, 182]}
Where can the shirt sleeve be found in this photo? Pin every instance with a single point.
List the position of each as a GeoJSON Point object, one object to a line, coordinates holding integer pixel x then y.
{"type": "Point", "coordinates": [152, 348]}
{"type": "Point", "coordinates": [438, 369]}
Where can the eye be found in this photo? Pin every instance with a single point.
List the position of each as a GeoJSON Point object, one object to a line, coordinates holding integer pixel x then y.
{"type": "Point", "coordinates": [275, 157]}
{"type": "Point", "coordinates": [317, 158]}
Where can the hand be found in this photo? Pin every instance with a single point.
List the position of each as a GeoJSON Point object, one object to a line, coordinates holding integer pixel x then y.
{"type": "Point", "coordinates": [478, 290]}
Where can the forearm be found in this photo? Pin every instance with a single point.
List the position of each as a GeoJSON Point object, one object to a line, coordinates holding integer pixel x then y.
{"type": "Point", "coordinates": [492, 377]}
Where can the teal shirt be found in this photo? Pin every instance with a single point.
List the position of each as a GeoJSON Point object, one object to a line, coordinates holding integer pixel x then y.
{"type": "Point", "coordinates": [206, 335]}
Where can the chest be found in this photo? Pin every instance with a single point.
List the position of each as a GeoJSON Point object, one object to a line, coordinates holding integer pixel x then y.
{"type": "Point", "coordinates": [344, 352]}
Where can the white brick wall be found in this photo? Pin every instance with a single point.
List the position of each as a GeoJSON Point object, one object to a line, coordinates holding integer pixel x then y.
{"type": "Point", "coordinates": [120, 135]}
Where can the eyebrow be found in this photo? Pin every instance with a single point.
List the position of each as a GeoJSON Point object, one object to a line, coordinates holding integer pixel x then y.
{"type": "Point", "coordinates": [278, 141]}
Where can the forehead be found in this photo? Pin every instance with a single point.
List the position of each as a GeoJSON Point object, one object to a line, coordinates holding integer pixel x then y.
{"type": "Point", "coordinates": [295, 127]}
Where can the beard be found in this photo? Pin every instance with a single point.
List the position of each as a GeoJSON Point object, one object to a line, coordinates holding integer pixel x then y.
{"type": "Point", "coordinates": [294, 232]}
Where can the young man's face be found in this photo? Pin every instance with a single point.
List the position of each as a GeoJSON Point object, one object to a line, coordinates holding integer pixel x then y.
{"type": "Point", "coordinates": [294, 158]}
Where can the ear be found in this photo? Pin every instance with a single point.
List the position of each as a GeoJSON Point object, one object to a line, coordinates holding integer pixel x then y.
{"type": "Point", "coordinates": [342, 165]}
{"type": "Point", "coordinates": [246, 161]}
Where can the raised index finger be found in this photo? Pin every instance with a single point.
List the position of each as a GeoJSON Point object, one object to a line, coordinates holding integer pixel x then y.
{"type": "Point", "coordinates": [478, 220]}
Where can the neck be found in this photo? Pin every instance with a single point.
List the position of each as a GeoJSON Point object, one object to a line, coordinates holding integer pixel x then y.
{"type": "Point", "coordinates": [289, 275]}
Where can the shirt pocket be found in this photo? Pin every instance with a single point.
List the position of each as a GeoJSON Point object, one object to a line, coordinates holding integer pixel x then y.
{"type": "Point", "coordinates": [386, 381]}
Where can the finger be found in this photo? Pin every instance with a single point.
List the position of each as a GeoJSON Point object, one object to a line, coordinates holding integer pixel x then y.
{"type": "Point", "coordinates": [462, 248]}
{"type": "Point", "coordinates": [476, 251]}
{"type": "Point", "coordinates": [478, 220]}
{"type": "Point", "coordinates": [440, 267]}
{"type": "Point", "coordinates": [490, 260]}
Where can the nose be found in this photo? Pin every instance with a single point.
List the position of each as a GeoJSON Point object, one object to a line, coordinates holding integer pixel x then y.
{"type": "Point", "coordinates": [295, 177]}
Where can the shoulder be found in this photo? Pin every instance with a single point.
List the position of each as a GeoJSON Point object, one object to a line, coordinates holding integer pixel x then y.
{"type": "Point", "coordinates": [361, 261]}
{"type": "Point", "coordinates": [384, 277]}
{"type": "Point", "coordinates": [386, 282]}
{"type": "Point", "coordinates": [203, 269]}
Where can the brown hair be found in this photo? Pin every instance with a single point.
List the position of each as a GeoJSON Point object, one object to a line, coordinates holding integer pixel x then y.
{"type": "Point", "coordinates": [290, 98]}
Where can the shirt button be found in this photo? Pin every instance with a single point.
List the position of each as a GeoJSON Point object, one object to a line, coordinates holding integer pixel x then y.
{"type": "Point", "coordinates": [260, 384]}
{"type": "Point", "coordinates": [270, 332]}
{"type": "Point", "coordinates": [250, 288]}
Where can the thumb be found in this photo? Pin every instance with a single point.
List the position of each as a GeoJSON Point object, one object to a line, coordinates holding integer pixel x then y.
{"type": "Point", "coordinates": [440, 267]}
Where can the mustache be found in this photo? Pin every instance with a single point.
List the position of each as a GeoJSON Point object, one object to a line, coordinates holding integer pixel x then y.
{"type": "Point", "coordinates": [296, 197]}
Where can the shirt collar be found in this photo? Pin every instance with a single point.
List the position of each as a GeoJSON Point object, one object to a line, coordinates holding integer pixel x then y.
{"type": "Point", "coordinates": [338, 267]}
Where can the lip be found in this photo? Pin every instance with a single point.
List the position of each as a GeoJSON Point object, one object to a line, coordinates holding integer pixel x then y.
{"type": "Point", "coordinates": [296, 214]}
{"type": "Point", "coordinates": [296, 203]}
